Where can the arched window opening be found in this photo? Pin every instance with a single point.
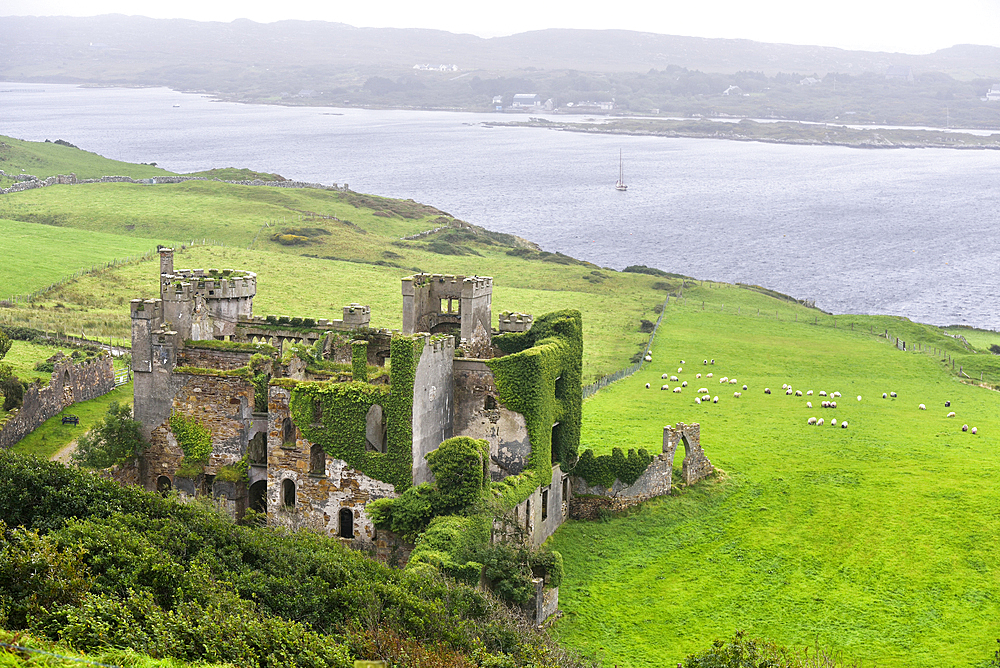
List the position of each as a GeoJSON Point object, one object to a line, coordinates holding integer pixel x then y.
{"type": "Point", "coordinates": [163, 485]}
{"type": "Point", "coordinates": [317, 460]}
{"type": "Point", "coordinates": [257, 449]}
{"type": "Point", "coordinates": [258, 497]}
{"type": "Point", "coordinates": [375, 429]}
{"type": "Point", "coordinates": [545, 504]}
{"type": "Point", "coordinates": [346, 523]}
{"type": "Point", "coordinates": [527, 516]}
{"type": "Point", "coordinates": [287, 433]}
{"type": "Point", "coordinates": [288, 493]}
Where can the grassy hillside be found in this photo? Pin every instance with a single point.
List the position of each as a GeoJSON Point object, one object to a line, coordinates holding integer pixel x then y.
{"type": "Point", "coordinates": [44, 159]}
{"type": "Point", "coordinates": [876, 541]}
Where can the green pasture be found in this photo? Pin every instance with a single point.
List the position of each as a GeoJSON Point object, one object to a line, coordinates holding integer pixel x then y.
{"type": "Point", "coordinates": [33, 256]}
{"type": "Point", "coordinates": [43, 159]}
{"type": "Point", "coordinates": [876, 541]}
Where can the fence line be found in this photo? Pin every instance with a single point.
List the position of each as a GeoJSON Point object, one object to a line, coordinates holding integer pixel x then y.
{"type": "Point", "coordinates": [589, 390]}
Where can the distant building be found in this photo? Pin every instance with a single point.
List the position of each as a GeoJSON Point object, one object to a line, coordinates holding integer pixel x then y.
{"type": "Point", "coordinates": [900, 72]}
{"type": "Point", "coordinates": [993, 94]}
{"type": "Point", "coordinates": [426, 67]}
{"type": "Point", "coordinates": [734, 91]}
{"type": "Point", "coordinates": [809, 81]}
{"type": "Point", "coordinates": [526, 101]}
{"type": "Point", "coordinates": [498, 102]}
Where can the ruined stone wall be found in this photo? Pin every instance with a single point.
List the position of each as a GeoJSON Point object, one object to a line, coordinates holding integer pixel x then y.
{"type": "Point", "coordinates": [546, 509]}
{"type": "Point", "coordinates": [433, 402]}
{"type": "Point", "coordinates": [319, 495]}
{"type": "Point", "coordinates": [70, 383]}
{"type": "Point", "coordinates": [506, 431]}
{"type": "Point", "coordinates": [695, 465]}
{"type": "Point", "coordinates": [391, 549]}
{"type": "Point", "coordinates": [654, 481]}
{"type": "Point", "coordinates": [222, 360]}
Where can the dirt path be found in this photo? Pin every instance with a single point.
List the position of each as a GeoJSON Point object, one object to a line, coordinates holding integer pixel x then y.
{"type": "Point", "coordinates": [64, 453]}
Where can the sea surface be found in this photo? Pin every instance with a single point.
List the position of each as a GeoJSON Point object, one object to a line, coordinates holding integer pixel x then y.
{"type": "Point", "coordinates": [910, 232]}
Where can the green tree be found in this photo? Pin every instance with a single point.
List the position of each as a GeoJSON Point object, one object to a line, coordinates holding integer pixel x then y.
{"type": "Point", "coordinates": [115, 439]}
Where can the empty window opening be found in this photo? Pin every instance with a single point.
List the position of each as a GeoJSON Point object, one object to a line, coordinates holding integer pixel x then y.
{"type": "Point", "coordinates": [375, 429]}
{"type": "Point", "coordinates": [490, 403]}
{"type": "Point", "coordinates": [258, 497]}
{"type": "Point", "coordinates": [287, 432]}
{"type": "Point", "coordinates": [257, 449]}
{"type": "Point", "coordinates": [560, 389]}
{"type": "Point", "coordinates": [545, 504]}
{"type": "Point", "coordinates": [565, 493]}
{"type": "Point", "coordinates": [163, 485]}
{"type": "Point", "coordinates": [527, 516]}
{"type": "Point", "coordinates": [288, 493]}
{"type": "Point", "coordinates": [557, 444]}
{"type": "Point", "coordinates": [317, 460]}
{"type": "Point", "coordinates": [346, 523]}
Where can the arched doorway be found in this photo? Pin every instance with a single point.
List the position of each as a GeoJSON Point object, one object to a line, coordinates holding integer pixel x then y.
{"type": "Point", "coordinates": [163, 485]}
{"type": "Point", "coordinates": [317, 460]}
{"type": "Point", "coordinates": [346, 523]}
{"type": "Point", "coordinates": [258, 497]}
{"type": "Point", "coordinates": [288, 493]}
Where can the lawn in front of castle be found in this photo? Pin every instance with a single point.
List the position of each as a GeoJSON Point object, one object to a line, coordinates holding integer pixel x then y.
{"type": "Point", "coordinates": [876, 541]}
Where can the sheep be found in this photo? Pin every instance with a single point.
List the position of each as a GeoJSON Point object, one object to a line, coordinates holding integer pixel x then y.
{"type": "Point", "coordinates": [733, 381]}
{"type": "Point", "coordinates": [677, 390]}
{"type": "Point", "coordinates": [724, 379]}
{"type": "Point", "coordinates": [788, 391]}
{"type": "Point", "coordinates": [951, 414]}
{"type": "Point", "coordinates": [664, 387]}
{"type": "Point", "coordinates": [822, 393]}
{"type": "Point", "coordinates": [664, 376]}
{"type": "Point", "coordinates": [859, 397]}
{"type": "Point", "coordinates": [884, 395]}
{"type": "Point", "coordinates": [712, 362]}
{"type": "Point", "coordinates": [965, 427]}
{"type": "Point", "coordinates": [922, 407]}
{"type": "Point", "coordinates": [709, 376]}
{"type": "Point", "coordinates": [647, 386]}
{"type": "Point", "coordinates": [843, 425]}
{"type": "Point", "coordinates": [811, 420]}
{"type": "Point", "coordinates": [819, 422]}
{"type": "Point", "coordinates": [680, 369]}
{"type": "Point", "coordinates": [767, 390]}
{"type": "Point", "coordinates": [744, 387]}
{"type": "Point", "coordinates": [737, 395]}
{"type": "Point", "coordinates": [784, 386]}
{"type": "Point", "coordinates": [809, 404]}
{"type": "Point", "coordinates": [649, 358]}
{"type": "Point", "coordinates": [809, 393]}
{"type": "Point", "coordinates": [702, 390]}
{"type": "Point", "coordinates": [833, 404]}
{"type": "Point", "coordinates": [947, 404]}
{"type": "Point", "coordinates": [835, 395]}
{"type": "Point", "coordinates": [673, 379]}
{"type": "Point", "coordinates": [697, 375]}
{"type": "Point", "coordinates": [892, 394]}
{"type": "Point", "coordinates": [798, 393]}
{"type": "Point", "coordinates": [833, 422]}
{"type": "Point", "coordinates": [682, 362]}
{"type": "Point", "coordinates": [705, 362]}
{"type": "Point", "coordinates": [974, 430]}
{"type": "Point", "coordinates": [684, 384]}
{"type": "Point", "coordinates": [715, 400]}
{"type": "Point", "coordinates": [697, 400]}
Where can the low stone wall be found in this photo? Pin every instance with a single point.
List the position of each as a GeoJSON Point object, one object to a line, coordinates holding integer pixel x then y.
{"type": "Point", "coordinates": [654, 481]}
{"type": "Point", "coordinates": [206, 358]}
{"type": "Point", "coordinates": [590, 507]}
{"type": "Point", "coordinates": [70, 383]}
{"type": "Point", "coordinates": [27, 182]}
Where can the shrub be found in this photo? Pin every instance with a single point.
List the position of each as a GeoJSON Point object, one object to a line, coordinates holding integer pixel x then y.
{"type": "Point", "coordinates": [13, 392]}
{"type": "Point", "coordinates": [646, 326]}
{"type": "Point", "coordinates": [461, 472]}
{"type": "Point", "coordinates": [113, 440]}
{"type": "Point", "coordinates": [995, 349]}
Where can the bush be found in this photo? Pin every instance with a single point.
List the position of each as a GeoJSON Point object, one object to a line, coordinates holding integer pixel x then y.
{"type": "Point", "coordinates": [995, 349]}
{"type": "Point", "coordinates": [13, 392]}
{"type": "Point", "coordinates": [646, 326]}
{"type": "Point", "coordinates": [114, 440]}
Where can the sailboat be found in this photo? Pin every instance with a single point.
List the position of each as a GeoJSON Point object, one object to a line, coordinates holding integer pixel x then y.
{"type": "Point", "coordinates": [621, 174]}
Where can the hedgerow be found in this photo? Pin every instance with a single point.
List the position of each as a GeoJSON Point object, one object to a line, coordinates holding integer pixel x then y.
{"type": "Point", "coordinates": [604, 469]}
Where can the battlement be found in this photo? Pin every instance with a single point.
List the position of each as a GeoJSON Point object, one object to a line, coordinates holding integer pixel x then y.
{"type": "Point", "coordinates": [148, 309]}
{"type": "Point", "coordinates": [515, 322]}
{"type": "Point", "coordinates": [357, 315]}
{"type": "Point", "coordinates": [183, 285]}
{"type": "Point", "coordinates": [443, 286]}
{"type": "Point", "coordinates": [440, 344]}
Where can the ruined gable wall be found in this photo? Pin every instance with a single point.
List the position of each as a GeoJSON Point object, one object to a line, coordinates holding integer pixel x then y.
{"type": "Point", "coordinates": [433, 402]}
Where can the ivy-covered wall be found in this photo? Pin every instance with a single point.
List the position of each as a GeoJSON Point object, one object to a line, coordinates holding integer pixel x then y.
{"type": "Point", "coordinates": [540, 377]}
{"type": "Point", "coordinates": [333, 415]}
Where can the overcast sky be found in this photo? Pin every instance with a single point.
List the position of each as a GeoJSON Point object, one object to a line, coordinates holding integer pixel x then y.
{"type": "Point", "coordinates": [871, 25]}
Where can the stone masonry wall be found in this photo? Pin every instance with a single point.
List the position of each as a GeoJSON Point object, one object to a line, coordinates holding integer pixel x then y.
{"type": "Point", "coordinates": [695, 465]}
{"type": "Point", "coordinates": [70, 383]}
{"type": "Point", "coordinates": [654, 481]}
{"type": "Point", "coordinates": [223, 360]}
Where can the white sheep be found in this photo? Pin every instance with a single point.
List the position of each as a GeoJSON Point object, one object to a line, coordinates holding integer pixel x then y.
{"type": "Point", "coordinates": [884, 395]}
{"type": "Point", "coordinates": [892, 394]}
{"type": "Point", "coordinates": [673, 379]}
{"type": "Point", "coordinates": [683, 362]}
{"type": "Point", "coordinates": [664, 387]}
{"type": "Point", "coordinates": [809, 404]}
{"type": "Point", "coordinates": [715, 400]}
{"type": "Point", "coordinates": [822, 393]}
{"type": "Point", "coordinates": [922, 407]}
{"type": "Point", "coordinates": [680, 369]}
{"type": "Point", "coordinates": [733, 381]}
{"type": "Point", "coordinates": [649, 358]}
{"type": "Point", "coordinates": [677, 390]}
{"type": "Point", "coordinates": [697, 400]}
{"type": "Point", "coordinates": [965, 427]}
{"type": "Point", "coordinates": [744, 387]}
{"type": "Point", "coordinates": [705, 362]}
{"type": "Point", "coordinates": [819, 422]}
{"type": "Point", "coordinates": [697, 375]}
{"type": "Point", "coordinates": [788, 391]}
{"type": "Point", "coordinates": [798, 393]}
{"type": "Point", "coordinates": [664, 376]}
{"type": "Point", "coordinates": [724, 379]}
{"type": "Point", "coordinates": [784, 386]}
{"type": "Point", "coordinates": [833, 404]}
{"type": "Point", "coordinates": [951, 414]}
{"type": "Point", "coordinates": [809, 393]}
{"type": "Point", "coordinates": [843, 425]}
{"type": "Point", "coordinates": [702, 390]}
{"type": "Point", "coordinates": [684, 384]}
{"type": "Point", "coordinates": [712, 362]}
{"type": "Point", "coordinates": [811, 420]}
{"type": "Point", "coordinates": [647, 386]}
{"type": "Point", "coordinates": [767, 390]}
{"type": "Point", "coordinates": [709, 375]}
{"type": "Point", "coordinates": [974, 430]}
{"type": "Point", "coordinates": [859, 397]}
{"type": "Point", "coordinates": [835, 395]}
{"type": "Point", "coordinates": [737, 395]}
{"type": "Point", "coordinates": [833, 422]}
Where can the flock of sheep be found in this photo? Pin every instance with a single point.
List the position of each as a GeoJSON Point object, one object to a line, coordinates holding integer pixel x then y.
{"type": "Point", "coordinates": [704, 396]}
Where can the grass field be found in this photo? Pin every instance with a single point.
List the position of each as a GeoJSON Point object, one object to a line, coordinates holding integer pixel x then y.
{"type": "Point", "coordinates": [43, 159]}
{"type": "Point", "coordinates": [876, 541]}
